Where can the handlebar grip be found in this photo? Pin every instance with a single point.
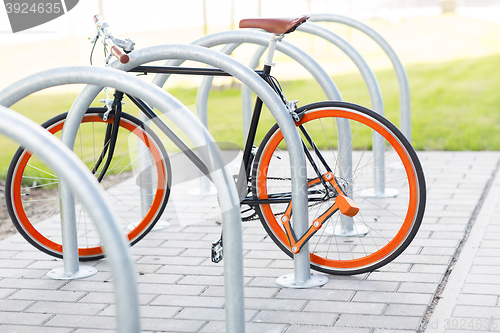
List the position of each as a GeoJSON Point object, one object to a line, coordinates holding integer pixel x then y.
{"type": "Point", "coordinates": [99, 21]}
{"type": "Point", "coordinates": [124, 58]}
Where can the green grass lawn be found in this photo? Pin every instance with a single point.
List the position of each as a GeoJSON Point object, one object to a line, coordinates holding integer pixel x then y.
{"type": "Point", "coordinates": [455, 105]}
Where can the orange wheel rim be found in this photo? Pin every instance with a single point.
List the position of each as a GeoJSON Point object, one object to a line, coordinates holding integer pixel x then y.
{"type": "Point", "coordinates": [395, 242]}
{"type": "Point", "coordinates": [95, 250]}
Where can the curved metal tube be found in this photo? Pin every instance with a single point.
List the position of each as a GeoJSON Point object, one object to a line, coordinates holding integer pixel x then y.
{"type": "Point", "coordinates": [272, 101]}
{"type": "Point", "coordinates": [404, 87]}
{"type": "Point", "coordinates": [85, 186]}
{"type": "Point", "coordinates": [373, 89]}
{"type": "Point", "coordinates": [260, 38]}
{"type": "Point", "coordinates": [301, 260]}
{"type": "Point", "coordinates": [236, 38]}
{"type": "Point", "coordinates": [234, 313]}
{"type": "Point", "coordinates": [191, 126]}
{"type": "Point", "coordinates": [357, 59]}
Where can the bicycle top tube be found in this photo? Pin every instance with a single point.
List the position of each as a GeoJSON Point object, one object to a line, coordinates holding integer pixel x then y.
{"type": "Point", "coordinates": [182, 70]}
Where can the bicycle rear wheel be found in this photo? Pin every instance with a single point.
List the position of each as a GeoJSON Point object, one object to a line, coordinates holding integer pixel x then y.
{"type": "Point", "coordinates": [391, 204]}
{"type": "Point", "coordinates": [136, 183]}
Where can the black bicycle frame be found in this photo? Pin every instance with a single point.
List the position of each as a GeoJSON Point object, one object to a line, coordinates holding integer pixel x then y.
{"type": "Point", "coordinates": [171, 134]}
{"type": "Point", "coordinates": [247, 152]}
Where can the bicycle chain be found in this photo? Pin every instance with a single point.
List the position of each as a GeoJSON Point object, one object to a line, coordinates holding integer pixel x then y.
{"type": "Point", "coordinates": [252, 218]}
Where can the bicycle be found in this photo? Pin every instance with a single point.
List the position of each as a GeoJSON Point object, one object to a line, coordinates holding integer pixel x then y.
{"type": "Point", "coordinates": [337, 196]}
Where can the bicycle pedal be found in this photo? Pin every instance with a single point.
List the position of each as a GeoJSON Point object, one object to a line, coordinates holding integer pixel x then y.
{"type": "Point", "coordinates": [217, 251]}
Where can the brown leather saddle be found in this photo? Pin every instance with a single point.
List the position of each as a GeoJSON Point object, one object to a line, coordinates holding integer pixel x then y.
{"type": "Point", "coordinates": [278, 26]}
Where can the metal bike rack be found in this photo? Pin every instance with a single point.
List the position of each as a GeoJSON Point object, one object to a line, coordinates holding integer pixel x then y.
{"type": "Point", "coordinates": [379, 189]}
{"type": "Point", "coordinates": [232, 230]}
{"type": "Point", "coordinates": [347, 227]}
{"type": "Point", "coordinates": [85, 186]}
{"type": "Point", "coordinates": [404, 87]}
{"type": "Point", "coordinates": [189, 124]}
{"type": "Point", "coordinates": [292, 51]}
{"type": "Point", "coordinates": [302, 277]}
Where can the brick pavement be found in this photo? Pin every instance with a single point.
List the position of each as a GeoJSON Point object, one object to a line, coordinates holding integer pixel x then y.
{"type": "Point", "coordinates": [181, 290]}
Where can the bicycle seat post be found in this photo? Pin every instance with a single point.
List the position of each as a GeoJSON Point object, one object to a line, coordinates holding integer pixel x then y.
{"type": "Point", "coordinates": [268, 63]}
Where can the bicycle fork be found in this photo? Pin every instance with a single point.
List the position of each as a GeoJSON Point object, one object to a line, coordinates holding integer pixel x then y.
{"type": "Point", "coordinates": [110, 136]}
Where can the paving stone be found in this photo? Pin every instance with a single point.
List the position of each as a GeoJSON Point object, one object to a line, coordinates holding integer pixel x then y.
{"type": "Point", "coordinates": [203, 280]}
{"type": "Point", "coordinates": [483, 288]}
{"type": "Point", "coordinates": [97, 322]}
{"type": "Point", "coordinates": [386, 297]}
{"type": "Point", "coordinates": [208, 314]}
{"type": "Point", "coordinates": [81, 285]}
{"type": "Point", "coordinates": [48, 295]}
{"type": "Point", "coordinates": [312, 328]}
{"type": "Point", "coordinates": [158, 261]}
{"type": "Point", "coordinates": [15, 263]}
{"type": "Point", "coordinates": [156, 251]}
{"type": "Point", "coordinates": [24, 318]}
{"type": "Point", "coordinates": [395, 267]}
{"type": "Point", "coordinates": [109, 298]}
{"type": "Point", "coordinates": [361, 285]}
{"type": "Point", "coordinates": [265, 254]}
{"type": "Point", "coordinates": [84, 330]}
{"type": "Point", "coordinates": [250, 292]}
{"type": "Point", "coordinates": [191, 270]}
{"type": "Point", "coordinates": [404, 309]}
{"type": "Point", "coordinates": [419, 259]}
{"type": "Point", "coordinates": [289, 317]}
{"type": "Point", "coordinates": [315, 294]}
{"type": "Point", "coordinates": [190, 301]}
{"type": "Point", "coordinates": [406, 277]}
{"type": "Point", "coordinates": [14, 305]}
{"type": "Point", "coordinates": [147, 312]}
{"type": "Point", "coordinates": [274, 304]}
{"type": "Point", "coordinates": [171, 289]}
{"type": "Point", "coordinates": [22, 273]}
{"type": "Point", "coordinates": [344, 307]}
{"type": "Point", "coordinates": [88, 309]}
{"type": "Point", "coordinates": [421, 288]}
{"type": "Point", "coordinates": [475, 311]}
{"type": "Point", "coordinates": [482, 278]}
{"type": "Point", "coordinates": [480, 300]}
{"type": "Point", "coordinates": [6, 292]}
{"type": "Point", "coordinates": [19, 328]}
{"type": "Point", "coordinates": [158, 278]}
{"type": "Point", "coordinates": [421, 268]}
{"type": "Point", "coordinates": [220, 326]}
{"type": "Point", "coordinates": [378, 322]}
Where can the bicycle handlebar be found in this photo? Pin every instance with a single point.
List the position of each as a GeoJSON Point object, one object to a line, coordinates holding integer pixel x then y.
{"type": "Point", "coordinates": [108, 40]}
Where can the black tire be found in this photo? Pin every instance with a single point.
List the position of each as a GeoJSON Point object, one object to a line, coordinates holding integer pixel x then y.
{"type": "Point", "coordinates": [37, 220]}
{"type": "Point", "coordinates": [392, 222]}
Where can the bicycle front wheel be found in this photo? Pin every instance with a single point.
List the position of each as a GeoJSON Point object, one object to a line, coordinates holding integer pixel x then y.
{"type": "Point", "coordinates": [136, 184]}
{"type": "Point", "coordinates": [375, 166]}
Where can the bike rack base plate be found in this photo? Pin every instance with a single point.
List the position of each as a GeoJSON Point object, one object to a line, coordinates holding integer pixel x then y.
{"type": "Point", "coordinates": [315, 280]}
{"type": "Point", "coordinates": [60, 274]}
